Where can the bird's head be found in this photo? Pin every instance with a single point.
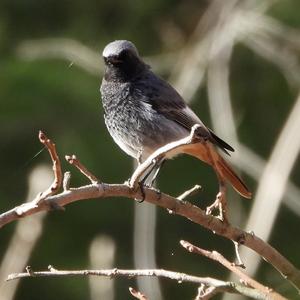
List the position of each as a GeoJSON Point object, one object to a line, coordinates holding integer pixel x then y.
{"type": "Point", "coordinates": [122, 61]}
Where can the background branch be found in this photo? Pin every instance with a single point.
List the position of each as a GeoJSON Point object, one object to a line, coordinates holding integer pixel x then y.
{"type": "Point", "coordinates": [222, 286]}
{"type": "Point", "coordinates": [214, 255]}
{"type": "Point", "coordinates": [185, 209]}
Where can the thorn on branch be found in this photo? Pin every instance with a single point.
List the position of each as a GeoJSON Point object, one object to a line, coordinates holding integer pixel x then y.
{"type": "Point", "coordinates": [73, 160]}
{"type": "Point", "coordinates": [51, 268]}
{"type": "Point", "coordinates": [29, 271]}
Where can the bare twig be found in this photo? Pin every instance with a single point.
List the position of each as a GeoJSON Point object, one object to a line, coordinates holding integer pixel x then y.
{"type": "Point", "coordinates": [73, 160]}
{"type": "Point", "coordinates": [222, 286]}
{"type": "Point", "coordinates": [55, 186]}
{"type": "Point", "coordinates": [214, 255]}
{"type": "Point", "coordinates": [137, 294]}
{"type": "Point", "coordinates": [237, 254]}
{"type": "Point", "coordinates": [189, 211]}
{"type": "Point", "coordinates": [206, 292]}
{"type": "Point", "coordinates": [194, 190]}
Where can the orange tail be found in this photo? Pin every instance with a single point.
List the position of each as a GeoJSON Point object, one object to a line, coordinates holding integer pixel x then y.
{"type": "Point", "coordinates": [207, 153]}
{"type": "Point", "coordinates": [232, 177]}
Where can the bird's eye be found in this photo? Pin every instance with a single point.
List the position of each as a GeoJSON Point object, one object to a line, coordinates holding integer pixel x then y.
{"type": "Point", "coordinates": [113, 59]}
{"type": "Point", "coordinates": [119, 59]}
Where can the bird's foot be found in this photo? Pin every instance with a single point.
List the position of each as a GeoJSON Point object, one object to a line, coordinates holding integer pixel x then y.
{"type": "Point", "coordinates": [141, 186]}
{"type": "Point", "coordinates": [220, 205]}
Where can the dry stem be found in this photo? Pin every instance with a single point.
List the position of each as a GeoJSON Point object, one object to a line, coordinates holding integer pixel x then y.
{"type": "Point", "coordinates": [185, 209]}
{"type": "Point", "coordinates": [221, 286]}
{"type": "Point", "coordinates": [55, 186]}
{"type": "Point", "coordinates": [194, 190]}
{"type": "Point", "coordinates": [216, 256]}
{"type": "Point", "coordinates": [76, 162]}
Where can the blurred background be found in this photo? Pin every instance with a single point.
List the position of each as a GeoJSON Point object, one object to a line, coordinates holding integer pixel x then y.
{"type": "Point", "coordinates": [237, 65]}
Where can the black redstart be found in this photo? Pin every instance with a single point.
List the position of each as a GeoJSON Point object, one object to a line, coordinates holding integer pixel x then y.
{"type": "Point", "coordinates": [143, 112]}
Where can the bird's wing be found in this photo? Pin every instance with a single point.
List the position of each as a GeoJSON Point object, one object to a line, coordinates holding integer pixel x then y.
{"type": "Point", "coordinates": [165, 100]}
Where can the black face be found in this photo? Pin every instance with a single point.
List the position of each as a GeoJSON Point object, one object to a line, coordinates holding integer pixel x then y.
{"type": "Point", "coordinates": [122, 67]}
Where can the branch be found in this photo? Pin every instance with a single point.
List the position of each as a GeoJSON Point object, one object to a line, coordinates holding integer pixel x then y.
{"type": "Point", "coordinates": [194, 190]}
{"type": "Point", "coordinates": [185, 209]}
{"type": "Point", "coordinates": [55, 186]}
{"type": "Point", "coordinates": [206, 293]}
{"type": "Point", "coordinates": [222, 286]}
{"type": "Point", "coordinates": [72, 160]}
{"type": "Point", "coordinates": [182, 208]}
{"type": "Point", "coordinates": [216, 256]}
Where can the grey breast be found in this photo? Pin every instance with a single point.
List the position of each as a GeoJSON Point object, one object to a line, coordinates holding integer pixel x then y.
{"type": "Point", "coordinates": [131, 120]}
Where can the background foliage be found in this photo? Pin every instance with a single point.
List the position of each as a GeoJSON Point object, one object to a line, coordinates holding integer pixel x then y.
{"type": "Point", "coordinates": [61, 98]}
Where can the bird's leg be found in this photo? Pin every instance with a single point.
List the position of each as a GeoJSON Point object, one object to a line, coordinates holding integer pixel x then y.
{"type": "Point", "coordinates": [220, 203]}
{"type": "Point", "coordinates": [139, 161]}
{"type": "Point", "coordinates": [149, 177]}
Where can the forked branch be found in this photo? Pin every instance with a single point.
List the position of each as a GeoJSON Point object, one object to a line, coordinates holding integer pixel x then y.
{"type": "Point", "coordinates": [248, 281]}
{"type": "Point", "coordinates": [182, 208]}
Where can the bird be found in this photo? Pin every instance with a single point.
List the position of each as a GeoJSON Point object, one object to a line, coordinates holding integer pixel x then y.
{"type": "Point", "coordinates": [143, 112]}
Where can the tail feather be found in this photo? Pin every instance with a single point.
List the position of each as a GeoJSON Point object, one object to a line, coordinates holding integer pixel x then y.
{"type": "Point", "coordinates": [208, 152]}
{"type": "Point", "coordinates": [233, 178]}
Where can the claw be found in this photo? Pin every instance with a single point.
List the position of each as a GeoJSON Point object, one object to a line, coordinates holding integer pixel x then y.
{"type": "Point", "coordinates": [141, 186]}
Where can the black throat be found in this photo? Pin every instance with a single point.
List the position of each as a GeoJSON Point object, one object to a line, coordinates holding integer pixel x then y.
{"type": "Point", "coordinates": [124, 71]}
